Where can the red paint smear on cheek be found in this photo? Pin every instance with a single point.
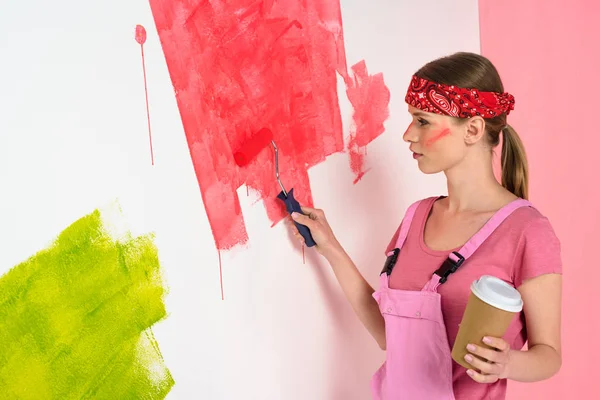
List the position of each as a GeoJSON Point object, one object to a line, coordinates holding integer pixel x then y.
{"type": "Point", "coordinates": [370, 98]}
{"type": "Point", "coordinates": [437, 137]}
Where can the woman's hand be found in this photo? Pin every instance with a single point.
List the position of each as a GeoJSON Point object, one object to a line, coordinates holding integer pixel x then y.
{"type": "Point", "coordinates": [319, 228]}
{"type": "Point", "coordinates": [496, 366]}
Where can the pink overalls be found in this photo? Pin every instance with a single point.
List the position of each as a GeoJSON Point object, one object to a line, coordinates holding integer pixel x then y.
{"type": "Point", "coordinates": [418, 362]}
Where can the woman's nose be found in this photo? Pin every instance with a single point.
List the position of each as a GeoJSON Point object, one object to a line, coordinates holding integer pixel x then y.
{"type": "Point", "coordinates": [409, 134]}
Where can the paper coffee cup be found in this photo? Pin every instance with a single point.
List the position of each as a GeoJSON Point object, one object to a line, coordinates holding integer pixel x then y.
{"type": "Point", "coordinates": [491, 308]}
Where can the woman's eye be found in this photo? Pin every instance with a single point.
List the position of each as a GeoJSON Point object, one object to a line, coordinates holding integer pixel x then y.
{"type": "Point", "coordinates": [422, 122]}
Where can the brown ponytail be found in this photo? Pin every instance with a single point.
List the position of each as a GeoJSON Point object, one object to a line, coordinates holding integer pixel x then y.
{"type": "Point", "coordinates": [514, 163]}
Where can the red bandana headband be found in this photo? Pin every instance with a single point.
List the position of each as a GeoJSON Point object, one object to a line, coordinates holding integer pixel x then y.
{"type": "Point", "coordinates": [457, 102]}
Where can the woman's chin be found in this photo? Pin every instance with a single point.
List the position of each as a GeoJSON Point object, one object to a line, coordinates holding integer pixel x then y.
{"type": "Point", "coordinates": [427, 169]}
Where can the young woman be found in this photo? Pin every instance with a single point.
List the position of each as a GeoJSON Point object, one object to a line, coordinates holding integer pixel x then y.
{"type": "Point", "coordinates": [459, 112]}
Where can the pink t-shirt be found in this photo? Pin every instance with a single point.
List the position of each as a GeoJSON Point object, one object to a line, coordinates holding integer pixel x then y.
{"type": "Point", "coordinates": [522, 247]}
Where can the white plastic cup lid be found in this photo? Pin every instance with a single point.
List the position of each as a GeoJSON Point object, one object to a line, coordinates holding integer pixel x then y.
{"type": "Point", "coordinates": [497, 293]}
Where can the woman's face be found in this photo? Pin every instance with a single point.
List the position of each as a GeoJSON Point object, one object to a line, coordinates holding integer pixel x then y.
{"type": "Point", "coordinates": [437, 141]}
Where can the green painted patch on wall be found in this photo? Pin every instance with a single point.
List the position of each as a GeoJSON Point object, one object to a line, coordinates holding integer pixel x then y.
{"type": "Point", "coordinates": [75, 319]}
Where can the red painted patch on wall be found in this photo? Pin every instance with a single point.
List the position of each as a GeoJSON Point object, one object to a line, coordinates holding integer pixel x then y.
{"type": "Point", "coordinates": [369, 97]}
{"type": "Point", "coordinates": [238, 66]}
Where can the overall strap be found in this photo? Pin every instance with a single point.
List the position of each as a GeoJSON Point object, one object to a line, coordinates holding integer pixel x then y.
{"type": "Point", "coordinates": [392, 256]}
{"type": "Point", "coordinates": [455, 259]}
{"type": "Point", "coordinates": [406, 222]}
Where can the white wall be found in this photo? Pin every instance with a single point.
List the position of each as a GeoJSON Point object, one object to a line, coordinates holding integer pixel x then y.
{"type": "Point", "coordinates": [73, 138]}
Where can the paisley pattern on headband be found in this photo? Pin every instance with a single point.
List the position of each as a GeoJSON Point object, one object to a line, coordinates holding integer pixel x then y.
{"type": "Point", "coordinates": [455, 101]}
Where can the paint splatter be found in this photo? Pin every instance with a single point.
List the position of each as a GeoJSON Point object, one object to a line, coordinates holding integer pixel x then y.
{"type": "Point", "coordinates": [76, 319]}
{"type": "Point", "coordinates": [370, 98]}
{"type": "Point", "coordinates": [438, 136]}
{"type": "Point", "coordinates": [238, 66]}
{"type": "Point", "coordinates": [140, 37]}
{"type": "Point", "coordinates": [140, 34]}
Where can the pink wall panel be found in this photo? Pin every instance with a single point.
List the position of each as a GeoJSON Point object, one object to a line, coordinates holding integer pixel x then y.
{"type": "Point", "coordinates": [548, 54]}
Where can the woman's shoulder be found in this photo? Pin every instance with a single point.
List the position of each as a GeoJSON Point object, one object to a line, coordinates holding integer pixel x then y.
{"type": "Point", "coordinates": [526, 221]}
{"type": "Point", "coordinates": [530, 221]}
{"type": "Point", "coordinates": [538, 248]}
{"type": "Point", "coordinates": [425, 202]}
{"type": "Point", "coordinates": [418, 207]}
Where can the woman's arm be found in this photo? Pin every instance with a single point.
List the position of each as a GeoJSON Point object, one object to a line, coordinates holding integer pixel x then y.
{"type": "Point", "coordinates": [358, 292]}
{"type": "Point", "coordinates": [356, 289]}
{"type": "Point", "coordinates": [542, 307]}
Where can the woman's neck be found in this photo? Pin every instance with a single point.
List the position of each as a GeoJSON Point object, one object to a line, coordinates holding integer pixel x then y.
{"type": "Point", "coordinates": [475, 188]}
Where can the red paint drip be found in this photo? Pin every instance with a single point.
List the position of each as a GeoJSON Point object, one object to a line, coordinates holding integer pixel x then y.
{"type": "Point", "coordinates": [239, 66]}
{"type": "Point", "coordinates": [221, 275]}
{"type": "Point", "coordinates": [140, 37]}
{"type": "Point", "coordinates": [437, 137]}
{"type": "Point", "coordinates": [303, 257]}
{"type": "Point", "coordinates": [370, 98]}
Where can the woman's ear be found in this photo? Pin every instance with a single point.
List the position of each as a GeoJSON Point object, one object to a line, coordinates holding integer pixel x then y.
{"type": "Point", "coordinates": [474, 129]}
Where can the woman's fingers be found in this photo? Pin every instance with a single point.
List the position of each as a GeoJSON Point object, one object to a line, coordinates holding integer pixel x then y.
{"type": "Point", "coordinates": [308, 210]}
{"type": "Point", "coordinates": [497, 343]}
{"type": "Point", "coordinates": [313, 213]}
{"type": "Point", "coordinates": [489, 355]}
{"type": "Point", "coordinates": [482, 378]}
{"type": "Point", "coordinates": [483, 366]}
{"type": "Point", "coordinates": [304, 220]}
{"type": "Point", "coordinates": [294, 229]}
{"type": "Point", "coordinates": [314, 219]}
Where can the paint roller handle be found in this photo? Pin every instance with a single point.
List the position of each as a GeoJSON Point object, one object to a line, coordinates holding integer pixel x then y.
{"type": "Point", "coordinates": [292, 205]}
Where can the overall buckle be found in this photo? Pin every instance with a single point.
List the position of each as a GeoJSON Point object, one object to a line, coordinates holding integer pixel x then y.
{"type": "Point", "coordinates": [449, 266]}
{"type": "Point", "coordinates": [390, 262]}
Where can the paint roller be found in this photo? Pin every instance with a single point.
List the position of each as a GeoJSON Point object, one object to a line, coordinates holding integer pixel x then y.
{"type": "Point", "coordinates": [248, 151]}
